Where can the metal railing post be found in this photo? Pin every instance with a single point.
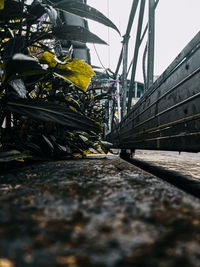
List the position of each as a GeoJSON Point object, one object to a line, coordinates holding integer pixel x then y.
{"type": "Point", "coordinates": [128, 30]}
{"type": "Point", "coordinates": [151, 41]}
{"type": "Point", "coordinates": [124, 75]}
{"type": "Point", "coordinates": [135, 59]}
{"type": "Point", "coordinates": [118, 100]}
{"type": "Point", "coordinates": [142, 37]}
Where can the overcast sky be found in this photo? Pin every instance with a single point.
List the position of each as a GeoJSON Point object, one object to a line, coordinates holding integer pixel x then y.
{"type": "Point", "coordinates": [177, 22]}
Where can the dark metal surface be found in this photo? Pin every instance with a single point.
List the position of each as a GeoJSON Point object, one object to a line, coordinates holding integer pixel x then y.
{"type": "Point", "coordinates": [142, 37]}
{"type": "Point", "coordinates": [167, 117]}
{"type": "Point", "coordinates": [151, 37]}
{"type": "Point", "coordinates": [128, 30]}
{"type": "Point", "coordinates": [136, 52]}
{"type": "Point", "coordinates": [124, 76]}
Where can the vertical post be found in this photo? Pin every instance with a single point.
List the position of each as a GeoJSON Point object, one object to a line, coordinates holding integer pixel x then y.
{"type": "Point", "coordinates": [106, 124]}
{"type": "Point", "coordinates": [136, 52]}
{"type": "Point", "coordinates": [136, 89]}
{"type": "Point", "coordinates": [142, 37]}
{"type": "Point", "coordinates": [118, 101]}
{"type": "Point", "coordinates": [151, 41]}
{"type": "Point", "coordinates": [128, 30]}
{"type": "Point", "coordinates": [110, 114]}
{"type": "Point", "coordinates": [124, 75]}
{"type": "Point", "coordinates": [146, 27]}
{"type": "Point", "coordinates": [119, 63]}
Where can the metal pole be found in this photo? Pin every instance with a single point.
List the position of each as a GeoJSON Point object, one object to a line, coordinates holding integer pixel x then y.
{"type": "Point", "coordinates": [110, 119]}
{"type": "Point", "coordinates": [146, 27]}
{"type": "Point", "coordinates": [142, 37]}
{"type": "Point", "coordinates": [118, 101]}
{"type": "Point", "coordinates": [144, 67]}
{"type": "Point", "coordinates": [137, 45]}
{"type": "Point", "coordinates": [119, 63]}
{"type": "Point", "coordinates": [124, 79]}
{"type": "Point", "coordinates": [136, 87]}
{"type": "Point", "coordinates": [128, 30]}
{"type": "Point", "coordinates": [151, 40]}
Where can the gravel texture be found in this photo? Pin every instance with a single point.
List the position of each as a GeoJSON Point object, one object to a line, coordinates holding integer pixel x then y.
{"type": "Point", "coordinates": [100, 211]}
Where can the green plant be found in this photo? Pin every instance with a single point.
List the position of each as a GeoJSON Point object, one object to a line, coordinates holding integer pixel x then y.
{"type": "Point", "coordinates": [45, 107]}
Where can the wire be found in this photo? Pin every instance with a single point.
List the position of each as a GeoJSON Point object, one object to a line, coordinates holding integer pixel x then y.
{"type": "Point", "coordinates": [108, 14]}
{"type": "Point", "coordinates": [99, 57]}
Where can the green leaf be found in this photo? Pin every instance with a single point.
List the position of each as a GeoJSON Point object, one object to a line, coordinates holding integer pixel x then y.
{"type": "Point", "coordinates": [12, 10]}
{"type": "Point", "coordinates": [38, 36]}
{"type": "Point", "coordinates": [85, 11]}
{"type": "Point", "coordinates": [105, 146]}
{"type": "Point", "coordinates": [46, 111]}
{"type": "Point", "coordinates": [36, 9]}
{"type": "Point", "coordinates": [12, 155]}
{"type": "Point", "coordinates": [1, 4]}
{"type": "Point", "coordinates": [6, 33]}
{"type": "Point", "coordinates": [19, 87]}
{"type": "Point", "coordinates": [76, 33]}
{"type": "Point", "coordinates": [76, 71]}
{"type": "Point", "coordinates": [22, 65]}
{"type": "Point", "coordinates": [13, 46]}
{"type": "Point", "coordinates": [52, 13]}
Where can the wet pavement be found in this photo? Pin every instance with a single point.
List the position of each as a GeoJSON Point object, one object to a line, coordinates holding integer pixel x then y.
{"type": "Point", "coordinates": [187, 164]}
{"type": "Point", "coordinates": [95, 212]}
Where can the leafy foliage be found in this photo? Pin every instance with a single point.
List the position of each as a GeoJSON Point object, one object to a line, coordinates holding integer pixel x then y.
{"type": "Point", "coordinates": [76, 33]}
{"type": "Point", "coordinates": [85, 11]}
{"type": "Point", "coordinates": [76, 71]}
{"type": "Point", "coordinates": [46, 109]}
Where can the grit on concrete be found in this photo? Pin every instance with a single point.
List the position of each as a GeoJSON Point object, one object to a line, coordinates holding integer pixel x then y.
{"type": "Point", "coordinates": [95, 212]}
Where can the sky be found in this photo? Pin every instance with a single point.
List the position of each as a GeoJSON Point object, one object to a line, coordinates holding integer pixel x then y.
{"type": "Point", "coordinates": [176, 23]}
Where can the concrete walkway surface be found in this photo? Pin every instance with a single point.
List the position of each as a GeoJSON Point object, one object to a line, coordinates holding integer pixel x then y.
{"type": "Point", "coordinates": [99, 211]}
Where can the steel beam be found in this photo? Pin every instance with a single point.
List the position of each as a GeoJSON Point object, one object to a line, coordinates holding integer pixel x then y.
{"type": "Point", "coordinates": [142, 37]}
{"type": "Point", "coordinates": [128, 30]}
{"type": "Point", "coordinates": [124, 76]}
{"type": "Point", "coordinates": [151, 37]}
{"type": "Point", "coordinates": [136, 52]}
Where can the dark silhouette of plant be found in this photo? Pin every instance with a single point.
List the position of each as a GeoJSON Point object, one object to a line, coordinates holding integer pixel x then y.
{"type": "Point", "coordinates": [45, 107]}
